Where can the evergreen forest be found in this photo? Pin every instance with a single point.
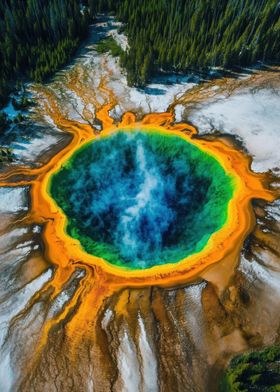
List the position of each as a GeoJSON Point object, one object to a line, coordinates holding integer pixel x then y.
{"type": "Point", "coordinates": [39, 36]}
{"type": "Point", "coordinates": [179, 35]}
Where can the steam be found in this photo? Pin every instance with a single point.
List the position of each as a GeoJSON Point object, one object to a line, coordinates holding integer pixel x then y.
{"type": "Point", "coordinates": [148, 214]}
{"type": "Point", "coordinates": [142, 199]}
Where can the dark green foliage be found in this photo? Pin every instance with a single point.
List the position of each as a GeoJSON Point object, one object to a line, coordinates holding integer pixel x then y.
{"type": "Point", "coordinates": [4, 121]}
{"type": "Point", "coordinates": [4, 92]}
{"type": "Point", "coordinates": [6, 155]}
{"type": "Point", "coordinates": [254, 372]}
{"type": "Point", "coordinates": [109, 45]}
{"type": "Point", "coordinates": [178, 35]}
{"type": "Point", "coordinates": [22, 104]}
{"type": "Point", "coordinates": [37, 37]}
{"type": "Point", "coordinates": [19, 119]}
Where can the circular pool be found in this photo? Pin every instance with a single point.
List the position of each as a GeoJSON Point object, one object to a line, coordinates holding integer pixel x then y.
{"type": "Point", "coordinates": [140, 197]}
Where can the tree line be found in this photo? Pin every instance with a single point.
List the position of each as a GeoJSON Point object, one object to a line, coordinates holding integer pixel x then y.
{"type": "Point", "coordinates": [39, 36]}
{"type": "Point", "coordinates": [179, 35]}
{"type": "Point", "coordinates": [253, 371]}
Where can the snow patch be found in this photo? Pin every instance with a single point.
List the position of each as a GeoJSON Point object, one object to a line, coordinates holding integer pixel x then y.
{"type": "Point", "coordinates": [255, 271]}
{"type": "Point", "coordinates": [128, 365]}
{"type": "Point", "coordinates": [179, 112]}
{"type": "Point", "coordinates": [28, 151]}
{"type": "Point", "coordinates": [13, 200]}
{"type": "Point", "coordinates": [107, 318]}
{"type": "Point", "coordinates": [6, 374]}
{"type": "Point", "coordinates": [15, 304]}
{"type": "Point", "coordinates": [149, 362]}
{"type": "Point", "coordinates": [254, 116]}
{"type": "Point", "coordinates": [9, 238]}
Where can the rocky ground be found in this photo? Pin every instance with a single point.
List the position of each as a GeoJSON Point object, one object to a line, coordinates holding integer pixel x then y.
{"type": "Point", "coordinates": [149, 339]}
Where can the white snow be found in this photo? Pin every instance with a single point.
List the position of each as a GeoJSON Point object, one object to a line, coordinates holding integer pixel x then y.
{"type": "Point", "coordinates": [29, 151]}
{"type": "Point", "coordinates": [15, 304]}
{"type": "Point", "coordinates": [58, 304]}
{"type": "Point", "coordinates": [179, 111]}
{"type": "Point", "coordinates": [254, 116]}
{"type": "Point", "coordinates": [120, 38]}
{"type": "Point", "coordinates": [8, 310]}
{"type": "Point", "coordinates": [255, 271]}
{"type": "Point", "coordinates": [155, 97]}
{"type": "Point", "coordinates": [13, 200]}
{"type": "Point", "coordinates": [6, 374]}
{"type": "Point", "coordinates": [194, 313]}
{"type": "Point", "coordinates": [273, 210]}
{"type": "Point", "coordinates": [149, 362]}
{"type": "Point", "coordinates": [128, 365]}
{"type": "Point", "coordinates": [107, 318]}
{"type": "Point", "coordinates": [8, 238]}
{"type": "Point", "coordinates": [91, 66]}
{"type": "Point", "coordinates": [36, 229]}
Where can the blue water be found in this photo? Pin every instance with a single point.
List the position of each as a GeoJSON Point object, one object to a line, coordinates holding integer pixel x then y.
{"type": "Point", "coordinates": [140, 199]}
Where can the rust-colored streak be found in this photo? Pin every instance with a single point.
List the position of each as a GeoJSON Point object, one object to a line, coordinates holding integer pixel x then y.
{"type": "Point", "coordinates": [101, 279]}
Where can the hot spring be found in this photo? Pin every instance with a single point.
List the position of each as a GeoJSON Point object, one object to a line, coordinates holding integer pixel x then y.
{"type": "Point", "coordinates": [139, 197]}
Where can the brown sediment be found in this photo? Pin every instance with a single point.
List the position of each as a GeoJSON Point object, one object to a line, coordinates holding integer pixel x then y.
{"type": "Point", "coordinates": [81, 315]}
{"type": "Point", "coordinates": [228, 85]}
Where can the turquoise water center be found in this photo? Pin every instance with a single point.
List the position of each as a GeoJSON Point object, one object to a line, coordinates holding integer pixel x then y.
{"type": "Point", "coordinates": [142, 197]}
